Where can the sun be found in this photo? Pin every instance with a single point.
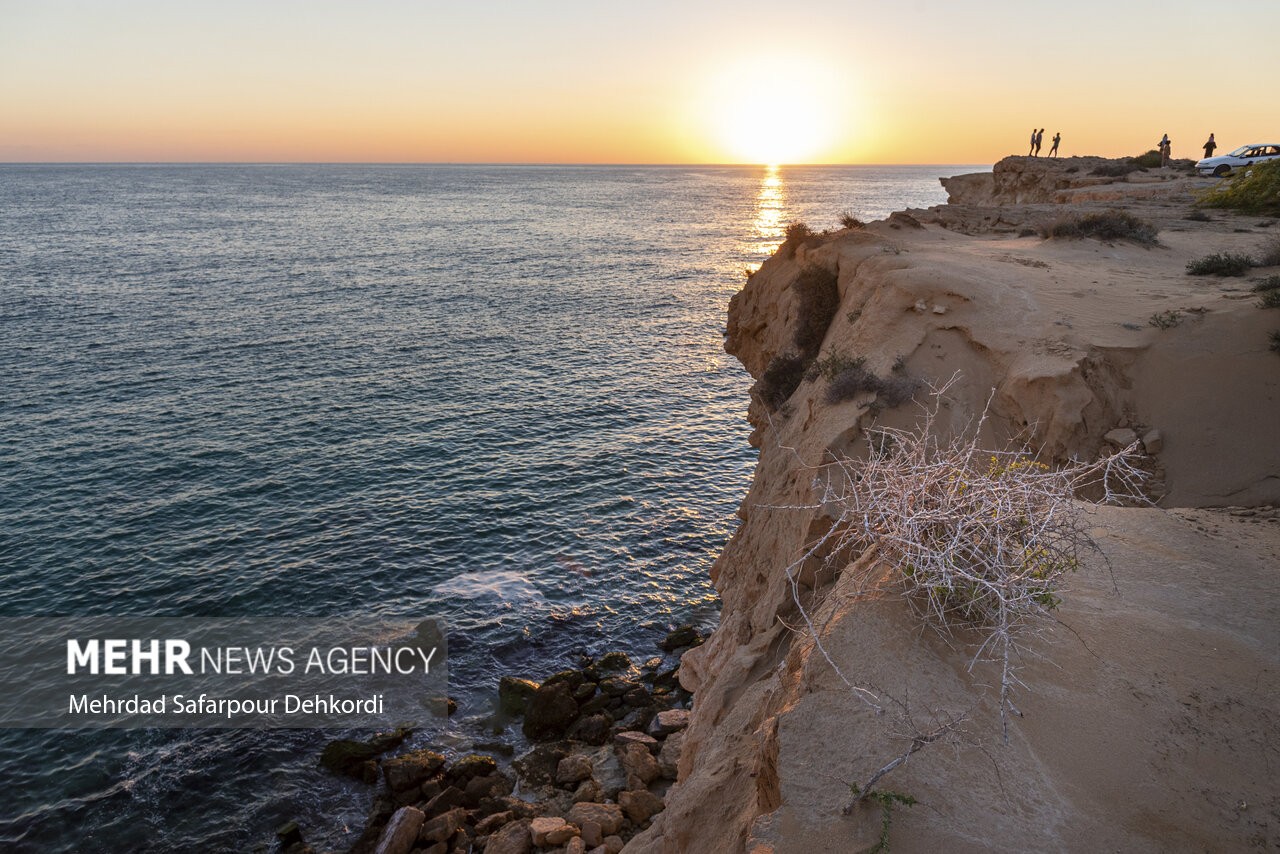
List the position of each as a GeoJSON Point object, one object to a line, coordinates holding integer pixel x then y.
{"type": "Point", "coordinates": [772, 110]}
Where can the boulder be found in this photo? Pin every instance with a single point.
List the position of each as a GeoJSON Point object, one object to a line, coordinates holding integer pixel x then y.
{"type": "Point", "coordinates": [489, 824]}
{"type": "Point", "coordinates": [573, 769]}
{"type": "Point", "coordinates": [592, 729]}
{"type": "Point", "coordinates": [588, 791]}
{"type": "Point", "coordinates": [442, 827]}
{"type": "Point", "coordinates": [411, 770]}
{"type": "Point", "coordinates": [608, 816]}
{"type": "Point", "coordinates": [1153, 441]}
{"type": "Point", "coordinates": [638, 762]}
{"type": "Point", "coordinates": [511, 838]}
{"type": "Point", "coordinates": [634, 737]}
{"type": "Point", "coordinates": [541, 828]}
{"type": "Point", "coordinates": [572, 678]}
{"type": "Point", "coordinates": [666, 722]}
{"type": "Point", "coordinates": [488, 786]}
{"type": "Point", "coordinates": [1121, 437]}
{"type": "Point", "coordinates": [514, 694]}
{"type": "Point", "coordinates": [575, 846]}
{"type": "Point", "coordinates": [470, 766]}
{"type": "Point", "coordinates": [640, 806]}
{"type": "Point", "coordinates": [451, 798]}
{"type": "Point", "coordinates": [401, 833]}
{"type": "Point", "coordinates": [669, 756]}
{"type": "Point", "coordinates": [592, 835]}
{"type": "Point", "coordinates": [684, 636]}
{"type": "Point", "coordinates": [347, 757]}
{"type": "Point", "coordinates": [551, 711]}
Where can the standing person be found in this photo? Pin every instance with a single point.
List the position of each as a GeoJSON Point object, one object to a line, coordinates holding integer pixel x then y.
{"type": "Point", "coordinates": [1165, 145]}
{"type": "Point", "coordinates": [1210, 146]}
{"type": "Point", "coordinates": [1032, 151]}
{"type": "Point", "coordinates": [1039, 139]}
{"type": "Point", "coordinates": [1057, 138]}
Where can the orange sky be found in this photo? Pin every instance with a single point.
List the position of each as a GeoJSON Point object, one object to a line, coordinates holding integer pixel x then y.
{"type": "Point", "coordinates": [661, 82]}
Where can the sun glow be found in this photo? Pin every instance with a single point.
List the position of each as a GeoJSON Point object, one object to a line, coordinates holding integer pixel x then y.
{"type": "Point", "coordinates": [773, 110]}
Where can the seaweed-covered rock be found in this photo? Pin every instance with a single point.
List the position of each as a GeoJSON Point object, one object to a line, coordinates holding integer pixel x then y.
{"type": "Point", "coordinates": [349, 757]}
{"type": "Point", "coordinates": [684, 636]}
{"type": "Point", "coordinates": [514, 694]}
{"type": "Point", "coordinates": [592, 729]}
{"type": "Point", "coordinates": [411, 770]}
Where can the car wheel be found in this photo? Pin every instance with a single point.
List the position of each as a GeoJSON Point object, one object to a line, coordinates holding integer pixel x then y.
{"type": "Point", "coordinates": [1221, 170]}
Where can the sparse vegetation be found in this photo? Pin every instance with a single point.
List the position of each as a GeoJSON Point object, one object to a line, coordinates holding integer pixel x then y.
{"type": "Point", "coordinates": [831, 366]}
{"type": "Point", "coordinates": [1275, 340]}
{"type": "Point", "coordinates": [1253, 190]}
{"type": "Point", "coordinates": [1150, 160]}
{"type": "Point", "coordinates": [1198, 216]}
{"type": "Point", "coordinates": [797, 234]}
{"type": "Point", "coordinates": [1270, 299]}
{"type": "Point", "coordinates": [887, 800]}
{"type": "Point", "coordinates": [1220, 264]}
{"type": "Point", "coordinates": [854, 379]}
{"type": "Point", "coordinates": [780, 379]}
{"type": "Point", "coordinates": [848, 220]}
{"type": "Point", "coordinates": [1270, 254]}
{"type": "Point", "coordinates": [817, 298]}
{"type": "Point", "coordinates": [1119, 168]}
{"type": "Point", "coordinates": [853, 316]}
{"type": "Point", "coordinates": [1270, 283]}
{"type": "Point", "coordinates": [1165, 319]}
{"type": "Point", "coordinates": [1106, 225]}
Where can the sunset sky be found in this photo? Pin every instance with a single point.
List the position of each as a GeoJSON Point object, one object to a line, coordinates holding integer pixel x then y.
{"type": "Point", "coordinates": [908, 81]}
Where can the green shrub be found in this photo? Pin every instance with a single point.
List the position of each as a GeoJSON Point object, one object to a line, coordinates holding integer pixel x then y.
{"type": "Point", "coordinates": [1275, 340]}
{"type": "Point", "coordinates": [1252, 190]}
{"type": "Point", "coordinates": [1107, 225]}
{"type": "Point", "coordinates": [1270, 299]}
{"type": "Point", "coordinates": [780, 379]}
{"type": "Point", "coordinates": [1165, 319]}
{"type": "Point", "coordinates": [797, 235]}
{"type": "Point", "coordinates": [1150, 160]}
{"type": "Point", "coordinates": [817, 298]}
{"type": "Point", "coordinates": [848, 220]}
{"type": "Point", "coordinates": [1270, 283]}
{"type": "Point", "coordinates": [1220, 264]}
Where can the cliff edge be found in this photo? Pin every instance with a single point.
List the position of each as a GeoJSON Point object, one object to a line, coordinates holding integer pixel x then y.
{"type": "Point", "coordinates": [1147, 714]}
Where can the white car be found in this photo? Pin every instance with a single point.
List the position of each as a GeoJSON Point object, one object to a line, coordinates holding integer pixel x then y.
{"type": "Point", "coordinates": [1245, 155]}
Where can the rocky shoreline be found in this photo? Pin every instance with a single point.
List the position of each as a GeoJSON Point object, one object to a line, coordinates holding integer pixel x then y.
{"type": "Point", "coordinates": [607, 740]}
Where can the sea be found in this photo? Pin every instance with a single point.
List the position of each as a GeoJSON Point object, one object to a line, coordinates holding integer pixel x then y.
{"type": "Point", "coordinates": [496, 394]}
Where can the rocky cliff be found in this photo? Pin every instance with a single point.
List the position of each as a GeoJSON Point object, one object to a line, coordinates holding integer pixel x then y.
{"type": "Point", "coordinates": [1146, 714]}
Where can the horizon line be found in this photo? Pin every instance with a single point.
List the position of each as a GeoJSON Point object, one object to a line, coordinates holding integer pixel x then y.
{"type": "Point", "coordinates": [446, 163]}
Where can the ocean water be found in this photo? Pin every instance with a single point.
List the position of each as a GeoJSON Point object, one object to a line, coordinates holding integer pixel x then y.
{"type": "Point", "coordinates": [496, 394]}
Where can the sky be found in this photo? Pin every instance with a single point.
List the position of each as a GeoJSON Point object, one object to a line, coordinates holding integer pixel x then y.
{"type": "Point", "coordinates": [565, 81]}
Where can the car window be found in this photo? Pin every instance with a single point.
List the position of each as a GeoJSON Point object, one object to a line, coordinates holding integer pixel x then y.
{"type": "Point", "coordinates": [1239, 152]}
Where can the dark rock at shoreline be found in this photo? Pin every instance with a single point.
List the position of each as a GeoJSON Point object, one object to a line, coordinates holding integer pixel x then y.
{"type": "Point", "coordinates": [684, 636]}
{"type": "Point", "coordinates": [592, 729]}
{"type": "Point", "coordinates": [551, 712]}
{"type": "Point", "coordinates": [573, 678]}
{"type": "Point", "coordinates": [288, 834]}
{"type": "Point", "coordinates": [514, 694]}
{"type": "Point", "coordinates": [470, 766]}
{"type": "Point", "coordinates": [350, 758]}
{"type": "Point", "coordinates": [411, 770]}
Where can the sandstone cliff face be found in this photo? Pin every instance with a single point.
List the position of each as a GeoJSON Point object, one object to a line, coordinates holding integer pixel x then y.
{"type": "Point", "coordinates": [1052, 340]}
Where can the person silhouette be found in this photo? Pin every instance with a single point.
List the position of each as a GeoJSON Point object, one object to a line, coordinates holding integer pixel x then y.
{"type": "Point", "coordinates": [1209, 146]}
{"type": "Point", "coordinates": [1039, 139]}
{"type": "Point", "coordinates": [1165, 147]}
{"type": "Point", "coordinates": [1031, 152]}
{"type": "Point", "coordinates": [1057, 138]}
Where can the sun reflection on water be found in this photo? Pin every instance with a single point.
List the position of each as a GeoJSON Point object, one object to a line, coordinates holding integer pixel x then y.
{"type": "Point", "coordinates": [770, 209]}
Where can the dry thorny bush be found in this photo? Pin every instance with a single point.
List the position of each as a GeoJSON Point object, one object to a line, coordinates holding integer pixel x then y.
{"type": "Point", "coordinates": [976, 538]}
